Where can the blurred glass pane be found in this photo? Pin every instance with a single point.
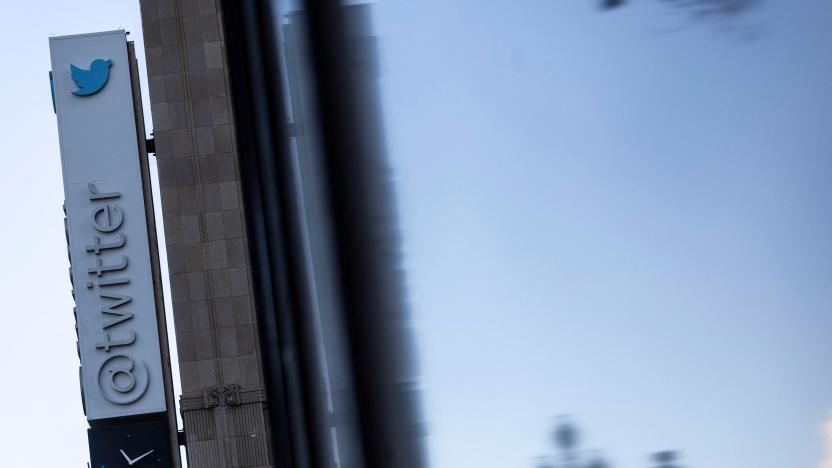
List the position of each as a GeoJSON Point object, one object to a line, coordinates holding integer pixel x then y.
{"type": "Point", "coordinates": [620, 215]}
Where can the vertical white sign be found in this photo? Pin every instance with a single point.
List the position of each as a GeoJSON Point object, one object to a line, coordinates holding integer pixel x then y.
{"type": "Point", "coordinates": [121, 369]}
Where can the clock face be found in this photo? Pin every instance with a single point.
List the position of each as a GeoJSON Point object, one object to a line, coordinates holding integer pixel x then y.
{"type": "Point", "coordinates": [141, 445]}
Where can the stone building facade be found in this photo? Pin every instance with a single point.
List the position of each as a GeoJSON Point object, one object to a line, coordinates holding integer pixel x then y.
{"type": "Point", "coordinates": [223, 399]}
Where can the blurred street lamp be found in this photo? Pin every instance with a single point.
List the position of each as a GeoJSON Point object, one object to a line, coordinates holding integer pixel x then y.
{"type": "Point", "coordinates": [566, 439]}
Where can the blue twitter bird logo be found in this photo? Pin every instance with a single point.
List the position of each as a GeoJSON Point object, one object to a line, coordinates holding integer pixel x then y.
{"type": "Point", "coordinates": [91, 81]}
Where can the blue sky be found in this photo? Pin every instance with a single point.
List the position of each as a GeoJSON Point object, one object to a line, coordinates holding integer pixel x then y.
{"type": "Point", "coordinates": [601, 218]}
{"type": "Point", "coordinates": [616, 222]}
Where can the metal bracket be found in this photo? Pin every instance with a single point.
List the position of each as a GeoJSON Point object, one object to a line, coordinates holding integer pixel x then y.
{"type": "Point", "coordinates": [150, 145]}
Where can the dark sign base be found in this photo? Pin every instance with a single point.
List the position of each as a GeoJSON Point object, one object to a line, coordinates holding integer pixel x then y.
{"type": "Point", "coordinates": [131, 444]}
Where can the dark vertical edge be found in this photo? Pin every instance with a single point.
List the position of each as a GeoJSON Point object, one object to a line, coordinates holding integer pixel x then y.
{"type": "Point", "coordinates": [155, 263]}
{"type": "Point", "coordinates": [300, 428]}
{"type": "Point", "coordinates": [365, 224]}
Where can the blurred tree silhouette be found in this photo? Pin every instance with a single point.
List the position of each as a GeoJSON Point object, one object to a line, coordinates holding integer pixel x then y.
{"type": "Point", "coordinates": [665, 459]}
{"type": "Point", "coordinates": [699, 7]}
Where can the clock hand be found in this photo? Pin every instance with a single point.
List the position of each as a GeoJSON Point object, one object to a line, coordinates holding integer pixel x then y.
{"type": "Point", "coordinates": [133, 461]}
{"type": "Point", "coordinates": [141, 456]}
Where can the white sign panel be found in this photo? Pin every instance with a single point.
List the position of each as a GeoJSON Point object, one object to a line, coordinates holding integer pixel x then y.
{"type": "Point", "coordinates": [121, 370]}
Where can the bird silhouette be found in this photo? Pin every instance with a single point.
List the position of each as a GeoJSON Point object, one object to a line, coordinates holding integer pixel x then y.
{"type": "Point", "coordinates": [90, 81]}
